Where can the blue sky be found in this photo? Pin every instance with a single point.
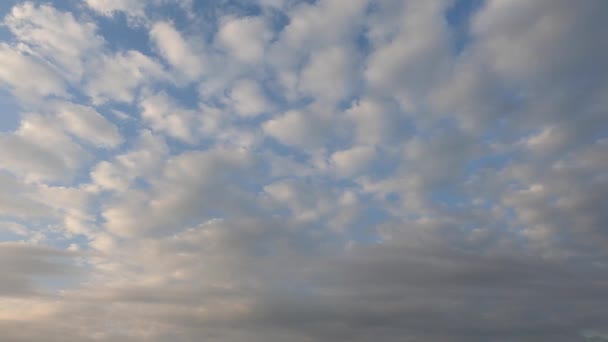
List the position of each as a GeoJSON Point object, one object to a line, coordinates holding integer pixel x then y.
{"type": "Point", "coordinates": [286, 170]}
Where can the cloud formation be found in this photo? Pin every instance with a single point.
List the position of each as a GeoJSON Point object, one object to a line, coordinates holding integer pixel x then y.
{"type": "Point", "coordinates": [304, 171]}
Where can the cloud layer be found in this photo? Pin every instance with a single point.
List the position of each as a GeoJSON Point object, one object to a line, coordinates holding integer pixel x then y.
{"type": "Point", "coordinates": [315, 171]}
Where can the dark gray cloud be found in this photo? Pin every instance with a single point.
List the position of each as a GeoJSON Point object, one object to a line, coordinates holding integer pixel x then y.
{"type": "Point", "coordinates": [24, 266]}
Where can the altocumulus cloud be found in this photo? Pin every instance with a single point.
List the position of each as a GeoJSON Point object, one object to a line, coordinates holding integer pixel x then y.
{"type": "Point", "coordinates": [286, 170]}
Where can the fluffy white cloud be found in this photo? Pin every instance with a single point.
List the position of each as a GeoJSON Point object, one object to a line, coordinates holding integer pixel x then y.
{"type": "Point", "coordinates": [87, 124]}
{"type": "Point", "coordinates": [117, 77]}
{"type": "Point", "coordinates": [55, 36]}
{"type": "Point", "coordinates": [176, 50]}
{"type": "Point", "coordinates": [134, 8]}
{"type": "Point", "coordinates": [164, 115]}
{"type": "Point", "coordinates": [329, 74]}
{"type": "Point", "coordinates": [141, 161]}
{"type": "Point", "coordinates": [29, 77]}
{"type": "Point", "coordinates": [353, 161]}
{"type": "Point", "coordinates": [376, 122]}
{"type": "Point", "coordinates": [298, 128]}
{"type": "Point", "coordinates": [17, 199]}
{"type": "Point", "coordinates": [192, 186]}
{"type": "Point", "coordinates": [405, 62]}
{"type": "Point", "coordinates": [244, 38]}
{"type": "Point", "coordinates": [40, 151]}
{"type": "Point", "coordinates": [322, 23]}
{"type": "Point", "coordinates": [248, 98]}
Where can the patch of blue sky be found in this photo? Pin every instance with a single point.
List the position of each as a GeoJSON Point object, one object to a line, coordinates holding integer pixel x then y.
{"type": "Point", "coordinates": [392, 197]}
{"type": "Point", "coordinates": [363, 230]}
{"type": "Point", "coordinates": [458, 16]}
{"type": "Point", "coordinates": [384, 166]}
{"type": "Point", "coordinates": [490, 161]}
{"type": "Point", "coordinates": [60, 240]}
{"type": "Point", "coordinates": [177, 146]}
{"type": "Point", "coordinates": [277, 20]}
{"type": "Point", "coordinates": [54, 235]}
{"type": "Point", "coordinates": [209, 13]}
{"type": "Point", "coordinates": [186, 95]}
{"type": "Point", "coordinates": [283, 150]}
{"type": "Point", "coordinates": [448, 196]}
{"type": "Point", "coordinates": [5, 8]}
{"type": "Point", "coordinates": [9, 112]}
{"type": "Point", "coordinates": [123, 36]}
{"type": "Point", "coordinates": [178, 15]}
{"type": "Point", "coordinates": [7, 235]}
{"type": "Point", "coordinates": [438, 127]}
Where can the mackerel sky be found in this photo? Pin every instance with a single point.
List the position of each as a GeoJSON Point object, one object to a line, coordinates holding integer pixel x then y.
{"type": "Point", "coordinates": [304, 171]}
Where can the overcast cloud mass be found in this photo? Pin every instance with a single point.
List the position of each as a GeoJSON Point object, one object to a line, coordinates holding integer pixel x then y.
{"type": "Point", "coordinates": [304, 171]}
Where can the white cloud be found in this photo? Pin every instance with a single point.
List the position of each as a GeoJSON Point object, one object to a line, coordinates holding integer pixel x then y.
{"type": "Point", "coordinates": [141, 161]}
{"type": "Point", "coordinates": [16, 200]}
{"type": "Point", "coordinates": [55, 36]}
{"type": "Point", "coordinates": [299, 129]}
{"type": "Point", "coordinates": [329, 74]}
{"type": "Point", "coordinates": [192, 186]}
{"type": "Point", "coordinates": [323, 23]}
{"type": "Point", "coordinates": [353, 161]}
{"type": "Point", "coordinates": [244, 38]}
{"type": "Point", "coordinates": [374, 123]}
{"type": "Point", "coordinates": [248, 98]}
{"type": "Point", "coordinates": [87, 124]}
{"type": "Point", "coordinates": [117, 77]}
{"type": "Point", "coordinates": [176, 50]}
{"type": "Point", "coordinates": [134, 8]}
{"type": "Point", "coordinates": [307, 202]}
{"type": "Point", "coordinates": [164, 115]}
{"type": "Point", "coordinates": [404, 62]}
{"type": "Point", "coordinates": [40, 151]}
{"type": "Point", "coordinates": [27, 76]}
{"type": "Point", "coordinates": [72, 206]}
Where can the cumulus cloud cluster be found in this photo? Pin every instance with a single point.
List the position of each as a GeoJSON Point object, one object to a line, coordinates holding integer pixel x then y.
{"type": "Point", "coordinates": [285, 170]}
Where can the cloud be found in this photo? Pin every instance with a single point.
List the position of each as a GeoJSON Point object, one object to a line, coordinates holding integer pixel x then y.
{"type": "Point", "coordinates": [244, 38]}
{"type": "Point", "coordinates": [164, 115]}
{"type": "Point", "coordinates": [18, 201]}
{"type": "Point", "coordinates": [404, 62]}
{"type": "Point", "coordinates": [176, 50]}
{"type": "Point", "coordinates": [248, 98]}
{"type": "Point", "coordinates": [303, 171]}
{"type": "Point", "coordinates": [22, 263]}
{"type": "Point", "coordinates": [55, 36]}
{"type": "Point", "coordinates": [87, 124]}
{"type": "Point", "coordinates": [40, 151]}
{"type": "Point", "coordinates": [353, 161]}
{"type": "Point", "coordinates": [28, 77]}
{"type": "Point", "coordinates": [187, 190]}
{"type": "Point", "coordinates": [118, 77]}
{"type": "Point", "coordinates": [328, 75]}
{"type": "Point", "coordinates": [134, 8]}
{"type": "Point", "coordinates": [140, 161]}
{"type": "Point", "coordinates": [301, 129]}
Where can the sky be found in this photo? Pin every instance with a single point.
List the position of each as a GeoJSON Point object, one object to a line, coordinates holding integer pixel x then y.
{"type": "Point", "coordinates": [306, 171]}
